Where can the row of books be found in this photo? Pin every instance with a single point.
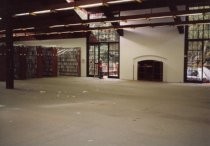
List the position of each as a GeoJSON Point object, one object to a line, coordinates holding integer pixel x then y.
{"type": "Point", "coordinates": [69, 61]}
{"type": "Point", "coordinates": [36, 62]}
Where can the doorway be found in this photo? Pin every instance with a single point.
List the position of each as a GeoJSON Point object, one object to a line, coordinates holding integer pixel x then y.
{"type": "Point", "coordinates": [108, 53]}
{"type": "Point", "coordinates": [150, 70]}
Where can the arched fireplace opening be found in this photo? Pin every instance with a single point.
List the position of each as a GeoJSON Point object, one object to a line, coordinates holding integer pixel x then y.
{"type": "Point", "coordinates": [150, 70]}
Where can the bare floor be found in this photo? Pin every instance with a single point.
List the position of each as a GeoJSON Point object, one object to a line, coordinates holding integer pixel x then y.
{"type": "Point", "coordinates": [91, 112]}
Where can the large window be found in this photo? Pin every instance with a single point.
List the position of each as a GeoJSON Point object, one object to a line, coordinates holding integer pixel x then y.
{"type": "Point", "coordinates": [103, 45]}
{"type": "Point", "coordinates": [198, 49]}
{"type": "Point", "coordinates": [108, 53]}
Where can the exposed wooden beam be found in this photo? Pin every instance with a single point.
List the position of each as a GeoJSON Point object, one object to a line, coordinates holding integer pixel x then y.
{"type": "Point", "coordinates": [7, 19]}
{"type": "Point", "coordinates": [47, 21]}
{"type": "Point", "coordinates": [173, 8]}
{"type": "Point", "coordinates": [50, 30]}
{"type": "Point", "coordinates": [109, 14]}
{"type": "Point", "coordinates": [31, 6]}
{"type": "Point", "coordinates": [52, 36]}
{"type": "Point", "coordinates": [86, 31]}
{"type": "Point", "coordinates": [149, 4]}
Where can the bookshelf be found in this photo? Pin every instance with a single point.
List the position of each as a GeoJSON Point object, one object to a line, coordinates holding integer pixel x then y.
{"type": "Point", "coordinates": [36, 62]}
{"type": "Point", "coordinates": [50, 61]}
{"type": "Point", "coordinates": [69, 63]}
{"type": "Point", "coordinates": [2, 63]}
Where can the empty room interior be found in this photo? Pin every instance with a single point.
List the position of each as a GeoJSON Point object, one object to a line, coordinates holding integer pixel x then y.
{"type": "Point", "coordinates": [104, 73]}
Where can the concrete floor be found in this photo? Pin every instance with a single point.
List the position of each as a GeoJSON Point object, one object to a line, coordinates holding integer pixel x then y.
{"type": "Point", "coordinates": [91, 112]}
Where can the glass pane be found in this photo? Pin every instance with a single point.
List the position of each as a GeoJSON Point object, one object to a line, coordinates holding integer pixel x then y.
{"type": "Point", "coordinates": [93, 60]}
{"type": "Point", "coordinates": [104, 58]}
{"type": "Point", "coordinates": [195, 58]}
{"type": "Point", "coordinates": [190, 35]}
{"type": "Point", "coordinates": [200, 17]}
{"type": "Point", "coordinates": [195, 45]}
{"type": "Point", "coordinates": [200, 34]}
{"type": "Point", "coordinates": [104, 35]}
{"type": "Point", "coordinates": [198, 56]}
{"type": "Point", "coordinates": [206, 62]}
{"type": "Point", "coordinates": [91, 64]}
{"type": "Point", "coordinates": [195, 34]}
{"type": "Point", "coordinates": [114, 60]}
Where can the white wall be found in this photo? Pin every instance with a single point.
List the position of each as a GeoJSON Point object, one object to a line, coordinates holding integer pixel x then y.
{"type": "Point", "coordinates": [160, 43]}
{"type": "Point", "coordinates": [65, 43]}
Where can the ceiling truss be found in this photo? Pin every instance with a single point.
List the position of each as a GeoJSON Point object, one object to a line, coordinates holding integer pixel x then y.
{"type": "Point", "coordinates": [57, 19]}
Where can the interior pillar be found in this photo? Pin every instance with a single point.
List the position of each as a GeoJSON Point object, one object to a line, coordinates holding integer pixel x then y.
{"type": "Point", "coordinates": [9, 47]}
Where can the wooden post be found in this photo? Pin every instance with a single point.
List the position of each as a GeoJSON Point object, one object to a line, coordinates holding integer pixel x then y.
{"type": "Point", "coordinates": [9, 47]}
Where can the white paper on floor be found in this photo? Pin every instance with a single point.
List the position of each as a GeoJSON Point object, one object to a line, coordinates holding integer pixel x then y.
{"type": "Point", "coordinates": [2, 105]}
{"type": "Point", "coordinates": [43, 92]}
{"type": "Point", "coordinates": [84, 91]}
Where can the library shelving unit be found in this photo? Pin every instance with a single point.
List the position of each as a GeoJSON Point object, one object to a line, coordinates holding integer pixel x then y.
{"type": "Point", "coordinates": [50, 62]}
{"type": "Point", "coordinates": [69, 63]}
{"type": "Point", "coordinates": [31, 61]}
{"type": "Point", "coordinates": [2, 63]}
{"type": "Point", "coordinates": [20, 64]}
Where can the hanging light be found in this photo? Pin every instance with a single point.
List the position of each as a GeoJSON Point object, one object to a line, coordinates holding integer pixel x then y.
{"type": "Point", "coordinates": [21, 14]}
{"type": "Point", "coordinates": [1, 31]}
{"type": "Point", "coordinates": [119, 1]}
{"type": "Point", "coordinates": [65, 9]}
{"type": "Point", "coordinates": [56, 26]}
{"type": "Point", "coordinates": [69, 1]}
{"type": "Point", "coordinates": [91, 5]}
{"type": "Point", "coordinates": [42, 12]}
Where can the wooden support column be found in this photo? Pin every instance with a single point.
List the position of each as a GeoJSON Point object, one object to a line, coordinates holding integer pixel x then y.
{"type": "Point", "coordinates": [10, 54]}
{"type": "Point", "coordinates": [9, 47]}
{"type": "Point", "coordinates": [173, 8]}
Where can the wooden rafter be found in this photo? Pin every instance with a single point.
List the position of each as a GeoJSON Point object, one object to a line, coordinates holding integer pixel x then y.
{"type": "Point", "coordinates": [177, 19]}
{"type": "Point", "coordinates": [43, 22]}
{"type": "Point", "coordinates": [50, 20]}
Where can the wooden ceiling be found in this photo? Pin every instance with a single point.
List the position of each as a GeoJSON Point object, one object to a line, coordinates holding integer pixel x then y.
{"type": "Point", "coordinates": [67, 23]}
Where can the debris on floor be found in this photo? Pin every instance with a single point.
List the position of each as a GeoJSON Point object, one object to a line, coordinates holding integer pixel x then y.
{"type": "Point", "coordinates": [2, 105]}
{"type": "Point", "coordinates": [43, 92]}
{"type": "Point", "coordinates": [84, 91]}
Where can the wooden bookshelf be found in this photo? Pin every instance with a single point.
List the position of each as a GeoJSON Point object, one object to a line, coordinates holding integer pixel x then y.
{"type": "Point", "coordinates": [50, 61]}
{"type": "Point", "coordinates": [2, 63]}
{"type": "Point", "coordinates": [69, 62]}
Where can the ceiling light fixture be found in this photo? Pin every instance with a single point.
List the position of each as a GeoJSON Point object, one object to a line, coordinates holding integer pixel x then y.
{"type": "Point", "coordinates": [75, 24]}
{"type": "Point", "coordinates": [161, 17]}
{"type": "Point", "coordinates": [119, 1]}
{"type": "Point", "coordinates": [66, 32]}
{"type": "Point", "coordinates": [28, 28]}
{"type": "Point", "coordinates": [42, 12]}
{"type": "Point", "coordinates": [21, 14]}
{"type": "Point", "coordinates": [65, 9]}
{"type": "Point", "coordinates": [69, 1]}
{"type": "Point", "coordinates": [91, 5]}
{"type": "Point", "coordinates": [51, 33]}
{"type": "Point", "coordinates": [190, 14]}
{"type": "Point", "coordinates": [1, 31]}
{"type": "Point", "coordinates": [56, 26]}
{"type": "Point", "coordinates": [139, 1]}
